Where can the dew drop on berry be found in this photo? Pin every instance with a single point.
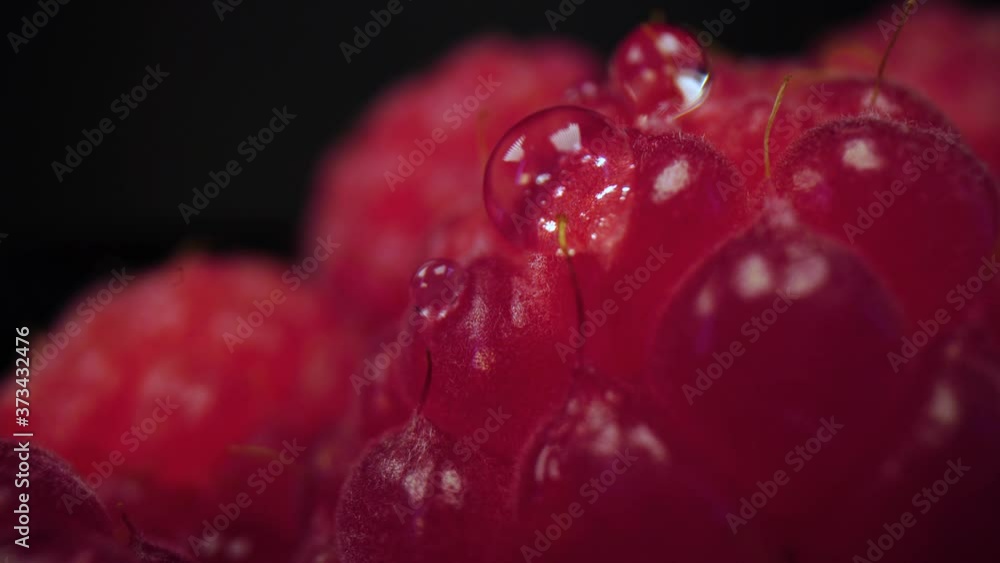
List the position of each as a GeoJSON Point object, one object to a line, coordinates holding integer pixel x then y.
{"type": "Point", "coordinates": [662, 72]}
{"type": "Point", "coordinates": [436, 287]}
{"type": "Point", "coordinates": [561, 162]}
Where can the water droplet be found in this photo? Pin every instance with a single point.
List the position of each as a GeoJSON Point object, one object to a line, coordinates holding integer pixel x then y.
{"type": "Point", "coordinates": [563, 161]}
{"type": "Point", "coordinates": [662, 72]}
{"type": "Point", "coordinates": [436, 288]}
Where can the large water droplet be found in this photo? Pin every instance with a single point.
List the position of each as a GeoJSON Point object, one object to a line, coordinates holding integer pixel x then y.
{"type": "Point", "coordinates": [662, 72]}
{"type": "Point", "coordinates": [561, 162]}
{"type": "Point", "coordinates": [436, 288]}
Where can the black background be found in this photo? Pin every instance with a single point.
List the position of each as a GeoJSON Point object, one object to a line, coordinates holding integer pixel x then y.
{"type": "Point", "coordinates": [120, 206]}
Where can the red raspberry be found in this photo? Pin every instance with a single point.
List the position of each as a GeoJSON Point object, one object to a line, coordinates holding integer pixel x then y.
{"type": "Point", "coordinates": [200, 367]}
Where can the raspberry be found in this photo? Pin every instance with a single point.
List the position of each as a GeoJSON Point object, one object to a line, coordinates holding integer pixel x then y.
{"type": "Point", "coordinates": [229, 349]}
{"type": "Point", "coordinates": [699, 314]}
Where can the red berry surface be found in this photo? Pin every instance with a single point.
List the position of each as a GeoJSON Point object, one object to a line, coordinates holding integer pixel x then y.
{"type": "Point", "coordinates": [207, 363]}
{"type": "Point", "coordinates": [412, 498]}
{"type": "Point", "coordinates": [663, 311]}
{"type": "Point", "coordinates": [945, 51]}
{"type": "Point", "coordinates": [599, 482]}
{"type": "Point", "coordinates": [491, 335]}
{"type": "Point", "coordinates": [736, 125]}
{"type": "Point", "coordinates": [915, 203]}
{"type": "Point", "coordinates": [930, 497]}
{"type": "Point", "coordinates": [820, 99]}
{"type": "Point", "coordinates": [742, 364]}
{"type": "Point", "coordinates": [688, 201]}
{"type": "Point", "coordinates": [734, 115]}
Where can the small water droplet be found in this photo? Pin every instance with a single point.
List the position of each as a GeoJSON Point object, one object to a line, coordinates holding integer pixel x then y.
{"type": "Point", "coordinates": [591, 158]}
{"type": "Point", "coordinates": [661, 72]}
{"type": "Point", "coordinates": [436, 288]}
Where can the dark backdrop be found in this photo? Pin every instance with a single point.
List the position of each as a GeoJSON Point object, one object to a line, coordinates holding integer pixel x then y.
{"type": "Point", "coordinates": [119, 206]}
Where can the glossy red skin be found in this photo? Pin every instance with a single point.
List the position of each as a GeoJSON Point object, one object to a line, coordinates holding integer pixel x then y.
{"type": "Point", "coordinates": [499, 339]}
{"type": "Point", "coordinates": [958, 420]}
{"type": "Point", "coordinates": [385, 232]}
{"type": "Point", "coordinates": [659, 71]}
{"type": "Point", "coordinates": [789, 373]}
{"type": "Point", "coordinates": [698, 205]}
{"type": "Point", "coordinates": [411, 498]}
{"type": "Point", "coordinates": [655, 504]}
{"type": "Point", "coordinates": [948, 212]}
{"type": "Point", "coordinates": [163, 339]}
{"type": "Point", "coordinates": [962, 79]}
